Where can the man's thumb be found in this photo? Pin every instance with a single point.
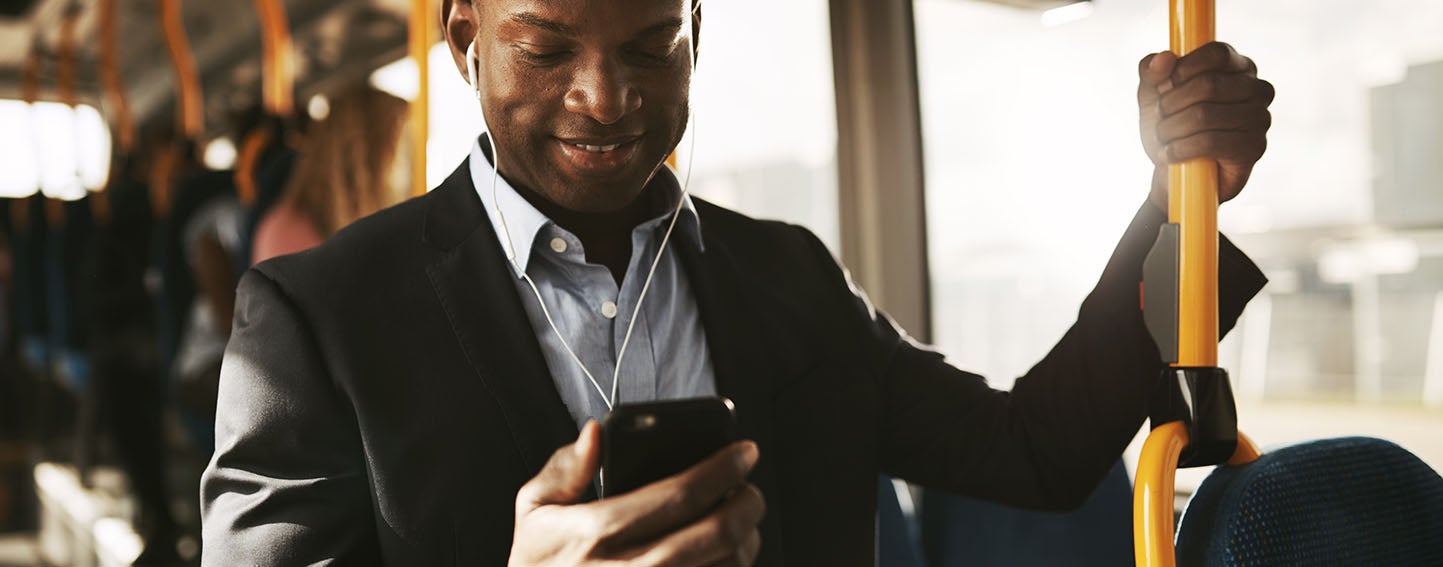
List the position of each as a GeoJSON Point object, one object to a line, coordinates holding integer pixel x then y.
{"type": "Point", "coordinates": [569, 472]}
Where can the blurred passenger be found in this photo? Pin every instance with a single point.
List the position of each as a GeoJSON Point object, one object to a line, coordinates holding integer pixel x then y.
{"type": "Point", "coordinates": [196, 237]}
{"type": "Point", "coordinates": [261, 178]}
{"type": "Point", "coordinates": [128, 388]}
{"type": "Point", "coordinates": [28, 244]}
{"type": "Point", "coordinates": [353, 163]}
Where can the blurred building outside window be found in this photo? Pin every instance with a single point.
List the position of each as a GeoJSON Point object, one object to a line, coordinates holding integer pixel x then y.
{"type": "Point", "coordinates": [1034, 168]}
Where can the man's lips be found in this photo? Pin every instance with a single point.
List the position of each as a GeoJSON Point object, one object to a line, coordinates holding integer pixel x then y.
{"type": "Point", "coordinates": [599, 155]}
{"type": "Point", "coordinates": [599, 143]}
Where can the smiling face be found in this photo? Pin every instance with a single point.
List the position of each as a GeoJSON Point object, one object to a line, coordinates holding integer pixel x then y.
{"type": "Point", "coordinates": [584, 98]}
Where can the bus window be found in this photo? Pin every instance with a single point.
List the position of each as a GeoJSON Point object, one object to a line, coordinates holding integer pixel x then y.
{"type": "Point", "coordinates": [60, 150]}
{"type": "Point", "coordinates": [765, 113]}
{"type": "Point", "coordinates": [1034, 167]}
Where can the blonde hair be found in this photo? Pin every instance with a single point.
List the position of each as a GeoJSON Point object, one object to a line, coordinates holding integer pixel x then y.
{"type": "Point", "coordinates": [344, 169]}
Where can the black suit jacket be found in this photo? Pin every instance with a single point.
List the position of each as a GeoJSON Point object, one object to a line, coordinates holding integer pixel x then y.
{"type": "Point", "coordinates": [384, 396]}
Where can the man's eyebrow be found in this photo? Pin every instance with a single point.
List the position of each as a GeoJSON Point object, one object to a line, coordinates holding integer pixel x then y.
{"type": "Point", "coordinates": [536, 21]}
{"type": "Point", "coordinates": [668, 25]}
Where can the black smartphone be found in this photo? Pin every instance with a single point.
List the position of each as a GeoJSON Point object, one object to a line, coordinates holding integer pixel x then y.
{"type": "Point", "coordinates": [645, 442]}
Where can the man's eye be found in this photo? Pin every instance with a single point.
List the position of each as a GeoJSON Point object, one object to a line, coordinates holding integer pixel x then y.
{"type": "Point", "coordinates": [656, 56]}
{"type": "Point", "coordinates": [540, 57]}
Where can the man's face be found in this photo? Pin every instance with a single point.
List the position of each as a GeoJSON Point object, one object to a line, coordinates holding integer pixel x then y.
{"type": "Point", "coordinates": [584, 98]}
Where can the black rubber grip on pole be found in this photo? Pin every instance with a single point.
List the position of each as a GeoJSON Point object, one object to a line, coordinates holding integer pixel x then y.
{"type": "Point", "coordinates": [1201, 398]}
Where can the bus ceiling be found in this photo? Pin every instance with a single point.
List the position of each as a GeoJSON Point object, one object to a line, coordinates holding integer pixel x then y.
{"type": "Point", "coordinates": [335, 44]}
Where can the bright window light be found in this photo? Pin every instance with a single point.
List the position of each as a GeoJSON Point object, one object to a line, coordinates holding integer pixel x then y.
{"type": "Point", "coordinates": [62, 152]}
{"type": "Point", "coordinates": [220, 154]}
{"type": "Point", "coordinates": [92, 143]}
{"type": "Point", "coordinates": [1066, 14]}
{"type": "Point", "coordinates": [398, 78]}
{"type": "Point", "coordinates": [54, 131]}
{"type": "Point", "coordinates": [455, 118]}
{"type": "Point", "coordinates": [19, 175]}
{"type": "Point", "coordinates": [319, 107]}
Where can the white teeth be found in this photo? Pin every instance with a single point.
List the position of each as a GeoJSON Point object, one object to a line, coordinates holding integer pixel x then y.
{"type": "Point", "coordinates": [597, 149]}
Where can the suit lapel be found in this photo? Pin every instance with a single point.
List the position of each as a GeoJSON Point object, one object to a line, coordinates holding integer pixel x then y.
{"type": "Point", "coordinates": [746, 367]}
{"type": "Point", "coordinates": [485, 312]}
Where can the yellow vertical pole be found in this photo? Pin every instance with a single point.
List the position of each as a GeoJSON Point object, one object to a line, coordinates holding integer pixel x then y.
{"type": "Point", "coordinates": [116, 105]}
{"type": "Point", "coordinates": [1193, 204]}
{"type": "Point", "coordinates": [421, 39]}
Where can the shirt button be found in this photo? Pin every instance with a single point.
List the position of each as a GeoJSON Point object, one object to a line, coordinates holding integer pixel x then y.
{"type": "Point", "coordinates": [608, 310]}
{"type": "Point", "coordinates": [558, 244]}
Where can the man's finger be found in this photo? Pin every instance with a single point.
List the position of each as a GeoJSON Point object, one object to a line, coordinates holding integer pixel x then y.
{"type": "Point", "coordinates": [1211, 87]}
{"type": "Point", "coordinates": [1152, 73]}
{"type": "Point", "coordinates": [663, 506]}
{"type": "Point", "coordinates": [715, 537]}
{"type": "Point", "coordinates": [566, 475]}
{"type": "Point", "coordinates": [1215, 56]}
{"type": "Point", "coordinates": [1229, 146]}
{"type": "Point", "coordinates": [1213, 117]}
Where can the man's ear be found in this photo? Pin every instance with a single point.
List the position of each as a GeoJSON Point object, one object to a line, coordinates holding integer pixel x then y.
{"type": "Point", "coordinates": [459, 22]}
{"type": "Point", "coordinates": [695, 31]}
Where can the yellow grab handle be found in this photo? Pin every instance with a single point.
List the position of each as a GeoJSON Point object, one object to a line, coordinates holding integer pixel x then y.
{"type": "Point", "coordinates": [1152, 495]}
{"type": "Point", "coordinates": [1154, 491]}
{"type": "Point", "coordinates": [1193, 204]}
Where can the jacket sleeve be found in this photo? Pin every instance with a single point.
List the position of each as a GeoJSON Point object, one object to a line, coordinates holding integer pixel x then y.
{"type": "Point", "coordinates": [287, 484]}
{"type": "Point", "coordinates": [1048, 442]}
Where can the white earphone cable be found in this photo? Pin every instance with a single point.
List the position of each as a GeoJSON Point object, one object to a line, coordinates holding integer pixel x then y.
{"type": "Point", "coordinates": [645, 287]}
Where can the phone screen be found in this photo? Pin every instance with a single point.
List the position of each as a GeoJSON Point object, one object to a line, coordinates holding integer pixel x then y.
{"type": "Point", "coordinates": [646, 442]}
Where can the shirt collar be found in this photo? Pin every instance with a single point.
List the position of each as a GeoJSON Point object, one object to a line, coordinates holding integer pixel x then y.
{"type": "Point", "coordinates": [525, 222]}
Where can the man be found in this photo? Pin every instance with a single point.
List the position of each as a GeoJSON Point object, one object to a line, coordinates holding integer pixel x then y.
{"type": "Point", "coordinates": [397, 396]}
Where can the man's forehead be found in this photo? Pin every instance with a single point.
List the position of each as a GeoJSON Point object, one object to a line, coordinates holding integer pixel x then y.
{"type": "Point", "coordinates": [572, 17]}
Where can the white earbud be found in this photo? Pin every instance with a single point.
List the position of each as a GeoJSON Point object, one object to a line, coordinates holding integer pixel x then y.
{"type": "Point", "coordinates": [473, 68]}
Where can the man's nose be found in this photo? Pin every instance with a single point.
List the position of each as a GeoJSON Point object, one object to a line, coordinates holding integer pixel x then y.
{"type": "Point", "coordinates": [604, 92]}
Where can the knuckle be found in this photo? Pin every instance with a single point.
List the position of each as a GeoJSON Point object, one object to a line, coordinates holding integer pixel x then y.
{"type": "Point", "coordinates": [681, 501]}
{"type": "Point", "coordinates": [1210, 85]}
{"type": "Point", "coordinates": [729, 532]}
{"type": "Point", "coordinates": [1268, 91]}
{"type": "Point", "coordinates": [755, 497]}
{"type": "Point", "coordinates": [1201, 113]}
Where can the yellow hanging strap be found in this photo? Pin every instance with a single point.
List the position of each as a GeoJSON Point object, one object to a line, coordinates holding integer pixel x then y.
{"type": "Point", "coordinates": [277, 92]}
{"type": "Point", "coordinates": [30, 76]}
{"type": "Point", "coordinates": [190, 109]}
{"type": "Point", "coordinates": [115, 101]}
{"type": "Point", "coordinates": [65, 67]}
{"type": "Point", "coordinates": [420, 41]}
{"type": "Point", "coordinates": [277, 58]}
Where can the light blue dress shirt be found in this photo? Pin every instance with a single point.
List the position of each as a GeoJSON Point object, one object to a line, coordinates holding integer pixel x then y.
{"type": "Point", "coordinates": [667, 357]}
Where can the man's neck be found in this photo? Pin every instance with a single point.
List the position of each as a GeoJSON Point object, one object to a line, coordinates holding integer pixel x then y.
{"type": "Point", "coordinates": [606, 237]}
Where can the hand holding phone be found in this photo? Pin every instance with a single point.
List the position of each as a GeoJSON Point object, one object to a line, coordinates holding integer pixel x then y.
{"type": "Point", "coordinates": [645, 442]}
{"type": "Point", "coordinates": [715, 524]}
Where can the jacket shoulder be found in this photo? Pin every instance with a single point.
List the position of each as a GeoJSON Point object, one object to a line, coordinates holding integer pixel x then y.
{"type": "Point", "coordinates": [763, 244]}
